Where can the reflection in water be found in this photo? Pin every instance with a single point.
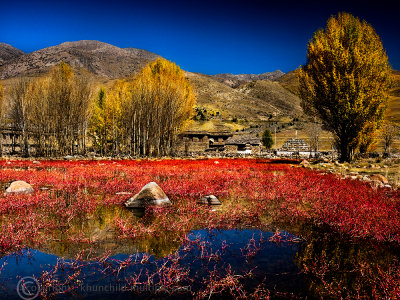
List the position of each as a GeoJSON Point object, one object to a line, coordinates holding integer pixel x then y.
{"type": "Point", "coordinates": [101, 236]}
{"type": "Point", "coordinates": [204, 257]}
{"type": "Point", "coordinates": [324, 265]}
{"type": "Point", "coordinates": [338, 267]}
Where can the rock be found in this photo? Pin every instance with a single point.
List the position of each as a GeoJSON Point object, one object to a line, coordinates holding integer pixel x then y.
{"type": "Point", "coordinates": [36, 162]}
{"type": "Point", "coordinates": [388, 186]}
{"type": "Point", "coordinates": [360, 177]}
{"type": "Point", "coordinates": [150, 194]}
{"type": "Point", "coordinates": [366, 179]}
{"type": "Point", "coordinates": [68, 157]}
{"type": "Point", "coordinates": [304, 163]}
{"type": "Point", "coordinates": [376, 183]}
{"type": "Point", "coordinates": [379, 178]}
{"type": "Point", "coordinates": [209, 199]}
{"type": "Point", "coordinates": [19, 187]}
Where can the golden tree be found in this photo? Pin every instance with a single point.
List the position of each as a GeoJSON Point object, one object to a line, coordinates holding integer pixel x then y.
{"type": "Point", "coordinates": [106, 127]}
{"type": "Point", "coordinates": [55, 110]}
{"type": "Point", "coordinates": [159, 103]}
{"type": "Point", "coordinates": [97, 128]}
{"type": "Point", "coordinates": [345, 82]}
{"type": "Point", "coordinates": [19, 109]}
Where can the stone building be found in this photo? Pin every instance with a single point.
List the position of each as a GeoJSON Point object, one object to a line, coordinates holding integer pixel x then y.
{"type": "Point", "coordinates": [244, 145]}
{"type": "Point", "coordinates": [202, 141]}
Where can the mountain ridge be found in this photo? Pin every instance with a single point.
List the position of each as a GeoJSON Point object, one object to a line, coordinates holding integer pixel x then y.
{"type": "Point", "coordinates": [233, 80]}
{"type": "Point", "coordinates": [100, 58]}
{"type": "Point", "coordinates": [8, 52]}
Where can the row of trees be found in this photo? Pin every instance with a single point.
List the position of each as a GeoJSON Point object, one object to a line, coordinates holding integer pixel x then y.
{"type": "Point", "coordinates": [143, 115]}
{"type": "Point", "coordinates": [57, 113]}
{"type": "Point", "coordinates": [51, 112]}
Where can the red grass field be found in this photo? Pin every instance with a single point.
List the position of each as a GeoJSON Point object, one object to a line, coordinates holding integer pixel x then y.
{"type": "Point", "coordinates": [254, 194]}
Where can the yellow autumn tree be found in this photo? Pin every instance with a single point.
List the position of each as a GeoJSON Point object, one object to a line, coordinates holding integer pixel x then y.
{"type": "Point", "coordinates": [97, 126]}
{"type": "Point", "coordinates": [160, 101]}
{"type": "Point", "coordinates": [345, 82]}
{"type": "Point", "coordinates": [54, 110]}
{"type": "Point", "coordinates": [106, 127]}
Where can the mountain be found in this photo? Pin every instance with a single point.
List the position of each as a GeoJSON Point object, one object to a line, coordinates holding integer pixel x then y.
{"type": "Point", "coordinates": [250, 97]}
{"type": "Point", "coordinates": [236, 80]}
{"type": "Point", "coordinates": [8, 52]}
{"type": "Point", "coordinates": [254, 101]}
{"type": "Point", "coordinates": [275, 94]}
{"type": "Point", "coordinates": [102, 59]}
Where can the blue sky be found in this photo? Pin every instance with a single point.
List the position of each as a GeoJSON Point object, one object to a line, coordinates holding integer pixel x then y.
{"type": "Point", "coordinates": [252, 36]}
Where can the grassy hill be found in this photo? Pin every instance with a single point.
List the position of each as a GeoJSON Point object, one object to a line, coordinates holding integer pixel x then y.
{"type": "Point", "coordinates": [253, 102]}
{"type": "Point", "coordinates": [289, 81]}
{"type": "Point", "coordinates": [273, 92]}
{"type": "Point", "coordinates": [393, 110]}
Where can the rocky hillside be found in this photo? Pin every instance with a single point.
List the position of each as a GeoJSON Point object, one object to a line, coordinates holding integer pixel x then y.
{"type": "Point", "coordinates": [275, 94]}
{"type": "Point", "coordinates": [102, 59]}
{"type": "Point", "coordinates": [8, 52]}
{"type": "Point", "coordinates": [236, 80]}
{"type": "Point", "coordinates": [255, 101]}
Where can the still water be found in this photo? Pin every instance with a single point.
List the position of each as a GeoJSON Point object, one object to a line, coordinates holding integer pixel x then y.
{"type": "Point", "coordinates": [302, 265]}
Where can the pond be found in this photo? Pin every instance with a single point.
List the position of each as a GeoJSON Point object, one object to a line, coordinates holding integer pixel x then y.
{"type": "Point", "coordinates": [281, 232]}
{"type": "Point", "coordinates": [234, 263]}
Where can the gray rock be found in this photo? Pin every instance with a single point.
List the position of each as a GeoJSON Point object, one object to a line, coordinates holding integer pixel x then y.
{"type": "Point", "coordinates": [19, 187]}
{"type": "Point", "coordinates": [366, 179]}
{"type": "Point", "coordinates": [209, 199]}
{"type": "Point", "coordinates": [150, 194]}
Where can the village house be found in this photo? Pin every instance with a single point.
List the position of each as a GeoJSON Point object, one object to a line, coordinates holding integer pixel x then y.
{"type": "Point", "coordinates": [199, 142]}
